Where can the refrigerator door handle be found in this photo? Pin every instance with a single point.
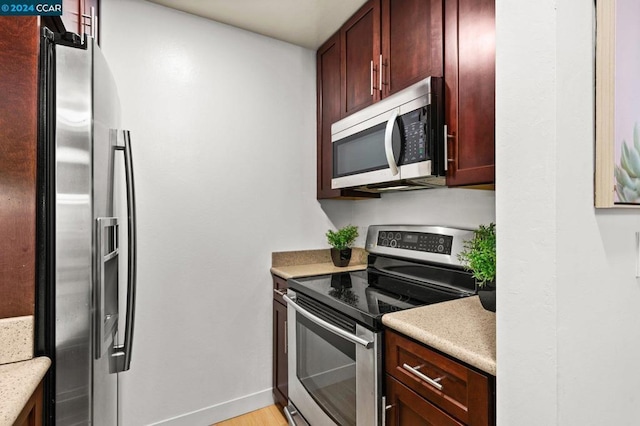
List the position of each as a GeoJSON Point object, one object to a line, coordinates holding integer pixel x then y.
{"type": "Point", "coordinates": [122, 353]}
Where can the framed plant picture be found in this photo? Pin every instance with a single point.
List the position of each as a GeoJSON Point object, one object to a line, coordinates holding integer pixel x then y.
{"type": "Point", "coordinates": [617, 165]}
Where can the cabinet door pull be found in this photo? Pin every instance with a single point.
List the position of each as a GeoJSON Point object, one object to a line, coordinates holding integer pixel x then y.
{"type": "Point", "coordinates": [447, 160]}
{"type": "Point", "coordinates": [286, 344]}
{"type": "Point", "coordinates": [280, 292]}
{"type": "Point", "coordinates": [380, 72]}
{"type": "Point", "coordinates": [385, 408]}
{"type": "Point", "coordinates": [414, 370]}
{"type": "Point", "coordinates": [93, 23]}
{"type": "Point", "coordinates": [371, 79]}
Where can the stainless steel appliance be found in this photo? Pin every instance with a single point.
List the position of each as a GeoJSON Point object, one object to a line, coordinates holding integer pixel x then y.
{"type": "Point", "coordinates": [334, 322]}
{"type": "Point", "coordinates": [397, 143]}
{"type": "Point", "coordinates": [86, 234]}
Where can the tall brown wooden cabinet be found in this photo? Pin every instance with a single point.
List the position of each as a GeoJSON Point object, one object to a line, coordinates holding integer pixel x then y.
{"type": "Point", "coordinates": [19, 46]}
{"type": "Point", "coordinates": [19, 50]}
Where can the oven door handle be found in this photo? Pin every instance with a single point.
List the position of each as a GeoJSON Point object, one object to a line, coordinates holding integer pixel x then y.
{"type": "Point", "coordinates": [328, 326]}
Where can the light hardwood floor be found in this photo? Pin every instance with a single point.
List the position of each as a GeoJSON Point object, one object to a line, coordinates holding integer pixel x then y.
{"type": "Point", "coordinates": [268, 416]}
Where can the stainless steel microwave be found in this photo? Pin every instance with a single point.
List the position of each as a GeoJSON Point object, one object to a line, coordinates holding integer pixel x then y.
{"type": "Point", "coordinates": [395, 144]}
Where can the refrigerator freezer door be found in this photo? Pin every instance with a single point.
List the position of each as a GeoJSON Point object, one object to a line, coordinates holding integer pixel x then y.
{"type": "Point", "coordinates": [73, 240]}
{"type": "Point", "coordinates": [106, 118]}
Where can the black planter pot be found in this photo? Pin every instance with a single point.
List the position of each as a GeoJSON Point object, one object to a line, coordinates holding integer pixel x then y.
{"type": "Point", "coordinates": [487, 295]}
{"type": "Point", "coordinates": [341, 257]}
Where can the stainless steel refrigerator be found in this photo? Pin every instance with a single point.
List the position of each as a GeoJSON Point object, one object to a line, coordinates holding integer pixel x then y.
{"type": "Point", "coordinates": [86, 230]}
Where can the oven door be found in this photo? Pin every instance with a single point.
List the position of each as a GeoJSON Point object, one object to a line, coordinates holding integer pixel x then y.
{"type": "Point", "coordinates": [334, 366]}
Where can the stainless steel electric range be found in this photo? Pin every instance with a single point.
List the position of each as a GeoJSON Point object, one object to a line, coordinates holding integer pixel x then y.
{"type": "Point", "coordinates": [334, 322]}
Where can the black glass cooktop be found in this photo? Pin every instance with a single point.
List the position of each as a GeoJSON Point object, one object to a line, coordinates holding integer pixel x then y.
{"type": "Point", "coordinates": [367, 295]}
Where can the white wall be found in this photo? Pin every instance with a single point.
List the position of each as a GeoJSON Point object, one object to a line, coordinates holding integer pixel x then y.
{"type": "Point", "coordinates": [568, 341]}
{"type": "Point", "coordinates": [223, 129]}
{"type": "Point", "coordinates": [223, 133]}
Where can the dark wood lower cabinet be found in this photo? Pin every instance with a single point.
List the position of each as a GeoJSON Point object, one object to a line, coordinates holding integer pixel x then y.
{"type": "Point", "coordinates": [31, 414]}
{"type": "Point", "coordinates": [408, 408]}
{"type": "Point", "coordinates": [280, 364]}
{"type": "Point", "coordinates": [427, 387]}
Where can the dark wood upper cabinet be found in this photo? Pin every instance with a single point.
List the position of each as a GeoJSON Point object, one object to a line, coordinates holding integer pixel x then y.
{"type": "Point", "coordinates": [328, 98]}
{"type": "Point", "coordinates": [386, 46]}
{"type": "Point", "coordinates": [329, 105]}
{"type": "Point", "coordinates": [469, 73]}
{"type": "Point", "coordinates": [360, 38]}
{"type": "Point", "coordinates": [77, 17]}
{"type": "Point", "coordinates": [411, 41]}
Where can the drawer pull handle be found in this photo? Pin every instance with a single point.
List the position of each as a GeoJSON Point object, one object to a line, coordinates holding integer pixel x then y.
{"type": "Point", "coordinates": [433, 382]}
{"type": "Point", "coordinates": [280, 292]}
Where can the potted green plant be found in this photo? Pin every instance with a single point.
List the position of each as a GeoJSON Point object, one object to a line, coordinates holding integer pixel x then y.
{"type": "Point", "coordinates": [479, 257]}
{"type": "Point", "coordinates": [341, 242]}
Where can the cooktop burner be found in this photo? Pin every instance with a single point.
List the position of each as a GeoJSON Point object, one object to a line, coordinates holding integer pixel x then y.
{"type": "Point", "coordinates": [354, 295]}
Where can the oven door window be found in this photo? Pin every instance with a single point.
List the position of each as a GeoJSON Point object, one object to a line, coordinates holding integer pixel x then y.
{"type": "Point", "coordinates": [326, 367]}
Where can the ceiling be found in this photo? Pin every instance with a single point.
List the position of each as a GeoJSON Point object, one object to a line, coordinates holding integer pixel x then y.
{"type": "Point", "coordinates": [307, 23]}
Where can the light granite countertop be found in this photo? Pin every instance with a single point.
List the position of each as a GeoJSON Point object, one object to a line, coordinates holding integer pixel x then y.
{"type": "Point", "coordinates": [306, 263]}
{"type": "Point", "coordinates": [461, 328]}
{"type": "Point", "coordinates": [297, 271]}
{"type": "Point", "coordinates": [16, 339]}
{"type": "Point", "coordinates": [20, 373]}
{"type": "Point", "coordinates": [18, 380]}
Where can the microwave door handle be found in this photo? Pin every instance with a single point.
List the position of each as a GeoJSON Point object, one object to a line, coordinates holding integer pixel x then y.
{"type": "Point", "coordinates": [388, 142]}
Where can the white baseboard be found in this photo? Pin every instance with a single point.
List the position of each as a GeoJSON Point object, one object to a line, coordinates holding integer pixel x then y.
{"type": "Point", "coordinates": [223, 411]}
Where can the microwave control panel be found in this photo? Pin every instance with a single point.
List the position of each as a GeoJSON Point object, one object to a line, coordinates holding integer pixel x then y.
{"type": "Point", "coordinates": [414, 127]}
{"type": "Point", "coordinates": [418, 241]}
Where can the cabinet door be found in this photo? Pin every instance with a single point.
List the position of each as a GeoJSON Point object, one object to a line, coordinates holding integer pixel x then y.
{"type": "Point", "coordinates": [77, 16]}
{"type": "Point", "coordinates": [360, 38]}
{"type": "Point", "coordinates": [408, 408]}
{"type": "Point", "coordinates": [328, 74]}
{"type": "Point", "coordinates": [469, 72]}
{"type": "Point", "coordinates": [280, 375]}
{"type": "Point", "coordinates": [411, 42]}
{"type": "Point", "coordinates": [464, 393]}
{"type": "Point", "coordinates": [328, 98]}
{"type": "Point", "coordinates": [32, 414]}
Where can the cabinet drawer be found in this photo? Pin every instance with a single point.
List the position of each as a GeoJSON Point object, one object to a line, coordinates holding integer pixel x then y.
{"type": "Point", "coordinates": [455, 388]}
{"type": "Point", "coordinates": [279, 286]}
{"type": "Point", "coordinates": [408, 408]}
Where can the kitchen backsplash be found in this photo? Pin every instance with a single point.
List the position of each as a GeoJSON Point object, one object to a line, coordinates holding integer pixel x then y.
{"type": "Point", "coordinates": [465, 208]}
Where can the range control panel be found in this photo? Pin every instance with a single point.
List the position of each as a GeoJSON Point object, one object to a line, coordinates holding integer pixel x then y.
{"type": "Point", "coordinates": [418, 241]}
